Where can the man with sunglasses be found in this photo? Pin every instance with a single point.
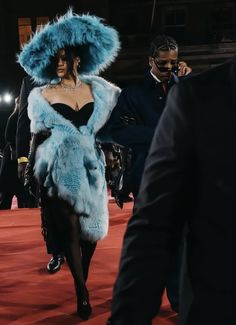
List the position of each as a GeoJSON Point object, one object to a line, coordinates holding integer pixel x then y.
{"type": "Point", "coordinates": [136, 116]}
{"type": "Point", "coordinates": [141, 104]}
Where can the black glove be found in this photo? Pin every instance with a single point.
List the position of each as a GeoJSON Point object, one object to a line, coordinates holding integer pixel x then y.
{"type": "Point", "coordinates": [21, 171]}
{"type": "Point", "coordinates": [29, 174]}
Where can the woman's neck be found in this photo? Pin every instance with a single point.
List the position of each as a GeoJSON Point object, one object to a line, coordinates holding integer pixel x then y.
{"type": "Point", "coordinates": [70, 83]}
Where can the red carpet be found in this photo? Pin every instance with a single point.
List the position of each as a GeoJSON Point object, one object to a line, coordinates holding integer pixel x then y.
{"type": "Point", "coordinates": [29, 295]}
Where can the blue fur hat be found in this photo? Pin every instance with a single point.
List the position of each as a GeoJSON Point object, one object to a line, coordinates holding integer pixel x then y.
{"type": "Point", "coordinates": [99, 45]}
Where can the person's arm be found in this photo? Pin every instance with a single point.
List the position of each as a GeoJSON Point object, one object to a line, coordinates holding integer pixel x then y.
{"type": "Point", "coordinates": [23, 128]}
{"type": "Point", "coordinates": [162, 206]}
{"type": "Point", "coordinates": [10, 133]}
{"type": "Point", "coordinates": [124, 124]}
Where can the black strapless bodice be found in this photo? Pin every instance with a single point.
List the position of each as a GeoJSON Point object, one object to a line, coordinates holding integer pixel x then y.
{"type": "Point", "coordinates": [79, 117]}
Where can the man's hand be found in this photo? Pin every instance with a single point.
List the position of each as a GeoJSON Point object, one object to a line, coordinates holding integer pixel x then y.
{"type": "Point", "coordinates": [21, 170]}
{"type": "Point", "coordinates": [184, 70]}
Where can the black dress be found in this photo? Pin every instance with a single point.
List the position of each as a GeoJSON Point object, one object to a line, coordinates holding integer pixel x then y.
{"type": "Point", "coordinates": [55, 208]}
{"type": "Point", "coordinates": [79, 117]}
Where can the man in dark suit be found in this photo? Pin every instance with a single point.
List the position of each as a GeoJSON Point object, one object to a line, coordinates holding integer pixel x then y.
{"type": "Point", "coordinates": [23, 137]}
{"type": "Point", "coordinates": [136, 115]}
{"type": "Point", "coordinates": [189, 179]}
{"type": "Point", "coordinates": [141, 104]}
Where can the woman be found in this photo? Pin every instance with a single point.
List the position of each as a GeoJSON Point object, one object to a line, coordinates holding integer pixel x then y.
{"type": "Point", "coordinates": [68, 113]}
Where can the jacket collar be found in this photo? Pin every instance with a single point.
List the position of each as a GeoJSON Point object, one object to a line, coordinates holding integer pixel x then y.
{"type": "Point", "coordinates": [44, 117]}
{"type": "Point", "coordinates": [149, 81]}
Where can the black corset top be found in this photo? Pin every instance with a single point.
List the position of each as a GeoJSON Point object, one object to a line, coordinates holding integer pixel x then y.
{"type": "Point", "coordinates": [79, 117]}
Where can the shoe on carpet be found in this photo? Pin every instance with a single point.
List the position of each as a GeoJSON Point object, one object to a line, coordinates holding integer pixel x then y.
{"type": "Point", "coordinates": [84, 310]}
{"type": "Point", "coordinates": [55, 263]}
{"type": "Point", "coordinates": [121, 199]}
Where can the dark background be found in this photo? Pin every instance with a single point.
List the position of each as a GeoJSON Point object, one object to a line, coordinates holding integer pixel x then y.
{"type": "Point", "coordinates": [204, 29]}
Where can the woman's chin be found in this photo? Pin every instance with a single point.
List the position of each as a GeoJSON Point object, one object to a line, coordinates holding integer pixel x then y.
{"type": "Point", "coordinates": [61, 75]}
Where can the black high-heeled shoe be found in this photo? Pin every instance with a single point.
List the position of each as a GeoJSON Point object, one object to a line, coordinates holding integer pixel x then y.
{"type": "Point", "coordinates": [84, 310]}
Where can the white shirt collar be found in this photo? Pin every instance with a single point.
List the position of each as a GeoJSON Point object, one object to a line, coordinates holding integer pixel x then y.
{"type": "Point", "coordinates": [155, 77]}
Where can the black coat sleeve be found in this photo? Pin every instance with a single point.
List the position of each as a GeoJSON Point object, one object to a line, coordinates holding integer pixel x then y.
{"type": "Point", "coordinates": [23, 125]}
{"type": "Point", "coordinates": [154, 231]}
{"type": "Point", "coordinates": [10, 131]}
{"type": "Point", "coordinates": [126, 127]}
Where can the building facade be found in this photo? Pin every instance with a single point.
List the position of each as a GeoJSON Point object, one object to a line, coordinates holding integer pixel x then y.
{"type": "Point", "coordinates": [205, 30]}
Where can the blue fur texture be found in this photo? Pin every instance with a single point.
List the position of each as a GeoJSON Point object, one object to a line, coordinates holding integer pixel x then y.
{"type": "Point", "coordinates": [98, 44]}
{"type": "Point", "coordinates": [68, 163]}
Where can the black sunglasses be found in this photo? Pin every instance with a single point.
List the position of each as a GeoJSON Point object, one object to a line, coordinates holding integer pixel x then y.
{"type": "Point", "coordinates": [161, 65]}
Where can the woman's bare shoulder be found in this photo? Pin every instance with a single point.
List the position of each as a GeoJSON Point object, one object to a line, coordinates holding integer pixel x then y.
{"type": "Point", "coordinates": [48, 91]}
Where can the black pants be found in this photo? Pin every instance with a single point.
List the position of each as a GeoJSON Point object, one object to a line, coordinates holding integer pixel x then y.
{"type": "Point", "coordinates": [174, 278]}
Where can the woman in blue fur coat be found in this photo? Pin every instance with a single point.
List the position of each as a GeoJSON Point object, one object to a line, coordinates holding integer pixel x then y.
{"type": "Point", "coordinates": [68, 113]}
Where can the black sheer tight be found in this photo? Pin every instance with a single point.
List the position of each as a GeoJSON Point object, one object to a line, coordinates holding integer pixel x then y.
{"type": "Point", "coordinates": [73, 255]}
{"type": "Point", "coordinates": [87, 250]}
{"type": "Point", "coordinates": [78, 252]}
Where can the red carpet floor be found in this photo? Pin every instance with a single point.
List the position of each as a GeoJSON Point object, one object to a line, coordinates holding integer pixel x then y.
{"type": "Point", "coordinates": [29, 295]}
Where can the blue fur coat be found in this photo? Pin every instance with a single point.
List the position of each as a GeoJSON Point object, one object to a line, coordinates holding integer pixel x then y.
{"type": "Point", "coordinates": [68, 163]}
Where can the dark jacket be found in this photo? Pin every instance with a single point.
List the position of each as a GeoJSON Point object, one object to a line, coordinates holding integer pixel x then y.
{"type": "Point", "coordinates": [10, 133]}
{"type": "Point", "coordinates": [23, 125]}
{"type": "Point", "coordinates": [135, 117]}
{"type": "Point", "coordinates": [189, 177]}
{"type": "Point", "coordinates": [9, 182]}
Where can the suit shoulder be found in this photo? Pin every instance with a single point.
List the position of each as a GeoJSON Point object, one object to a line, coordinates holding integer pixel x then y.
{"type": "Point", "coordinates": [215, 75]}
{"type": "Point", "coordinates": [133, 88]}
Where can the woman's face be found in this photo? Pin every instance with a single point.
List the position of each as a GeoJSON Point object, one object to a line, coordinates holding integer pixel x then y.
{"type": "Point", "coordinates": [62, 65]}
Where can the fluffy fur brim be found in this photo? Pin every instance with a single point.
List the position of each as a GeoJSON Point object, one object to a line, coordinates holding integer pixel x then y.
{"type": "Point", "coordinates": [98, 45]}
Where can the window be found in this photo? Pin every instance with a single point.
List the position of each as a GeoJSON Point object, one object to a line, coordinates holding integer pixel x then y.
{"type": "Point", "coordinates": [222, 26]}
{"type": "Point", "coordinates": [25, 30]}
{"type": "Point", "coordinates": [27, 25]}
{"type": "Point", "coordinates": [41, 21]}
{"type": "Point", "coordinates": [175, 18]}
{"type": "Point", "coordinates": [175, 23]}
{"type": "Point", "coordinates": [222, 19]}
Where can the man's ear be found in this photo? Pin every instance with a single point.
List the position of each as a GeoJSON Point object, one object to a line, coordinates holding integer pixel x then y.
{"type": "Point", "coordinates": [150, 61]}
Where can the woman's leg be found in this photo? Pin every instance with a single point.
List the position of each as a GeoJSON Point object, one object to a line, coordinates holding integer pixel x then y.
{"type": "Point", "coordinates": [50, 218]}
{"type": "Point", "coordinates": [87, 250]}
{"type": "Point", "coordinates": [69, 225]}
{"type": "Point", "coordinates": [73, 252]}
